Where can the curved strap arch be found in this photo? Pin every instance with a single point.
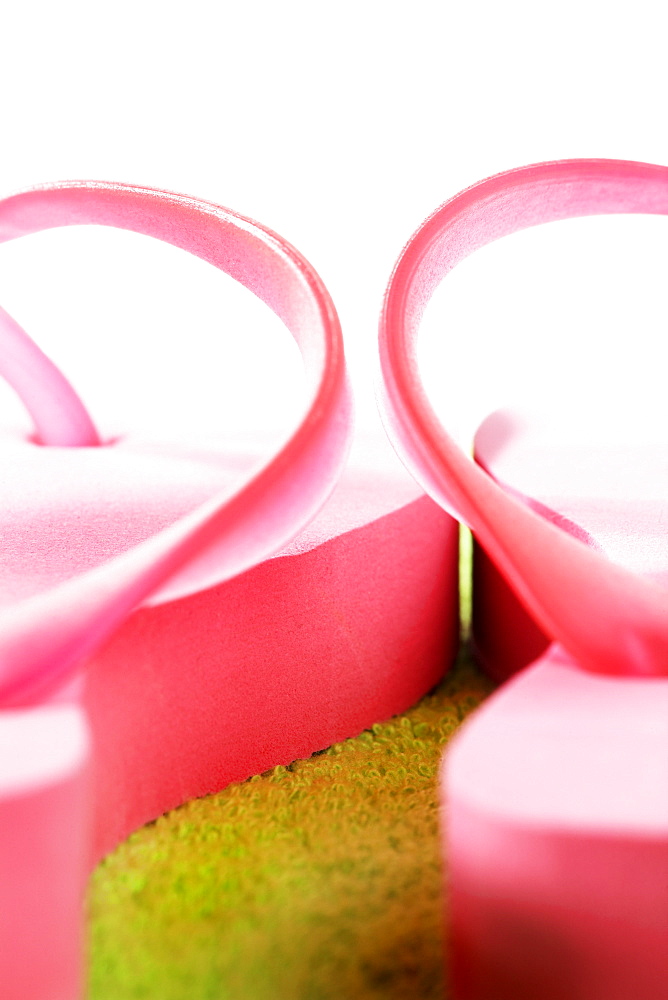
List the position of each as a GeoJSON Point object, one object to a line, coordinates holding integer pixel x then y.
{"type": "Point", "coordinates": [610, 620]}
{"type": "Point", "coordinates": [44, 637]}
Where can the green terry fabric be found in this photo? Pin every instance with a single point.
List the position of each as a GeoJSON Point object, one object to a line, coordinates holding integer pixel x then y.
{"type": "Point", "coordinates": [316, 881]}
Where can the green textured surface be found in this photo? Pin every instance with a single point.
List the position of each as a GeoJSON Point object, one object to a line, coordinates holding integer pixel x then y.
{"type": "Point", "coordinates": [321, 880]}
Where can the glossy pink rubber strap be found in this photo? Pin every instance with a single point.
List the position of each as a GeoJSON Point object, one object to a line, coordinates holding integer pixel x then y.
{"type": "Point", "coordinates": [59, 416]}
{"type": "Point", "coordinates": [43, 637]}
{"type": "Point", "coordinates": [610, 620]}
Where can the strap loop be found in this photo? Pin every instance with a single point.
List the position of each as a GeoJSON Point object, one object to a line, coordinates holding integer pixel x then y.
{"type": "Point", "coordinates": [610, 620]}
{"type": "Point", "coordinates": [43, 638]}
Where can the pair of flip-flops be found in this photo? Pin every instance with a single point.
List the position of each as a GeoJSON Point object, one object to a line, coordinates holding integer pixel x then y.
{"type": "Point", "coordinates": [265, 640]}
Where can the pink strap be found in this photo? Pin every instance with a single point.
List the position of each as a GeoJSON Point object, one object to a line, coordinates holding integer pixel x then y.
{"type": "Point", "coordinates": [59, 416]}
{"type": "Point", "coordinates": [43, 637]}
{"type": "Point", "coordinates": [610, 620]}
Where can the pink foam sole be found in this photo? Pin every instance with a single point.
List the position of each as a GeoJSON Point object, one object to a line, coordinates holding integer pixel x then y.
{"type": "Point", "coordinates": [350, 624]}
{"type": "Point", "coordinates": [557, 839]}
{"type": "Point", "coordinates": [213, 688]}
{"type": "Point", "coordinates": [560, 852]}
{"type": "Point", "coordinates": [44, 833]}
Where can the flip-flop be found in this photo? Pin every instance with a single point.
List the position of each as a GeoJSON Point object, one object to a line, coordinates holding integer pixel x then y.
{"type": "Point", "coordinates": [220, 635]}
{"type": "Point", "coordinates": [557, 790]}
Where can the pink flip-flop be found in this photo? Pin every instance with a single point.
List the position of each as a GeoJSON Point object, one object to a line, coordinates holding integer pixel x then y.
{"type": "Point", "coordinates": [220, 635]}
{"type": "Point", "coordinates": [557, 789]}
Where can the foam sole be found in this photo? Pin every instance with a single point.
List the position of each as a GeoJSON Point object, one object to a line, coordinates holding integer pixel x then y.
{"type": "Point", "coordinates": [350, 624]}
{"type": "Point", "coordinates": [302, 651]}
{"type": "Point", "coordinates": [556, 790]}
{"type": "Point", "coordinates": [558, 839]}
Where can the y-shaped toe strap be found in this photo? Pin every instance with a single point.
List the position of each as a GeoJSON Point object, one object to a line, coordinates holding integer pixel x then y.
{"type": "Point", "coordinates": [608, 619]}
{"type": "Point", "coordinates": [59, 416]}
{"type": "Point", "coordinates": [43, 637]}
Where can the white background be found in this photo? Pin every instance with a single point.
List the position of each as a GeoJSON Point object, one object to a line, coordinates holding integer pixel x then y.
{"type": "Point", "coordinates": [341, 126]}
